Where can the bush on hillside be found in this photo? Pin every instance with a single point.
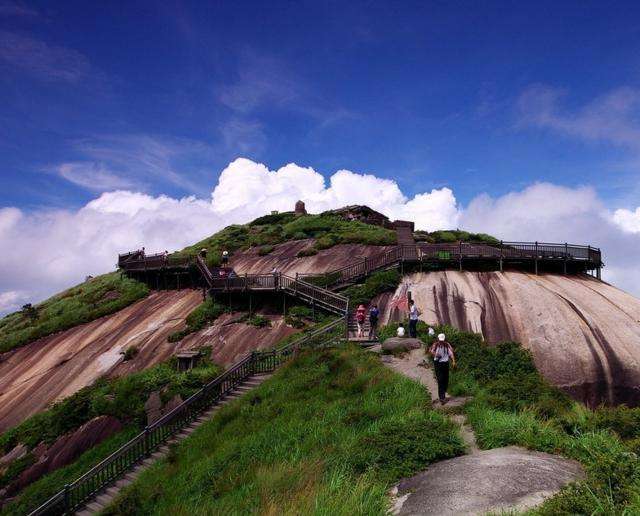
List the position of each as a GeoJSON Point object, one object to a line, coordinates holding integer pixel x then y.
{"type": "Point", "coordinates": [377, 283]}
{"type": "Point", "coordinates": [203, 315]}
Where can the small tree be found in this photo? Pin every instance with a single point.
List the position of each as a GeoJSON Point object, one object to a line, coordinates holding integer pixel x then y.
{"type": "Point", "coordinates": [30, 311]}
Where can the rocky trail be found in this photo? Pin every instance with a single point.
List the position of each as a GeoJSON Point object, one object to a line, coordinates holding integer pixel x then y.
{"type": "Point", "coordinates": [508, 479]}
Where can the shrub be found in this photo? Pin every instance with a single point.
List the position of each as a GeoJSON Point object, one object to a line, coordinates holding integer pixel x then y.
{"type": "Point", "coordinates": [258, 321]}
{"type": "Point", "coordinates": [203, 315]}
{"type": "Point", "coordinates": [130, 353]}
{"type": "Point", "coordinates": [265, 250]}
{"type": "Point", "coordinates": [310, 251]}
{"type": "Point", "coordinates": [377, 283]}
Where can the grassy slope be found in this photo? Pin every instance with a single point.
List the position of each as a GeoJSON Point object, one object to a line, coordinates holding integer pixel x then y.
{"type": "Point", "coordinates": [100, 296]}
{"type": "Point", "coordinates": [514, 405]}
{"type": "Point", "coordinates": [327, 435]}
{"type": "Point", "coordinates": [123, 398]}
{"type": "Point", "coordinates": [267, 231]}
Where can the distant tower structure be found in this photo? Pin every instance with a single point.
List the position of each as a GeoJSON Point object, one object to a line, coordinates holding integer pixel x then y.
{"type": "Point", "coordinates": [300, 209]}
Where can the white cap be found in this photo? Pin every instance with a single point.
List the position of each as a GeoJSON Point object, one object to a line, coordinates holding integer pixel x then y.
{"type": "Point", "coordinates": [441, 336]}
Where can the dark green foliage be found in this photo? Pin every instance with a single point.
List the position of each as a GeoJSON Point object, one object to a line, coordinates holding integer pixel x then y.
{"type": "Point", "coordinates": [298, 316]}
{"type": "Point", "coordinates": [265, 250]}
{"type": "Point", "coordinates": [270, 230]}
{"type": "Point", "coordinates": [41, 490]}
{"type": "Point", "coordinates": [259, 321]}
{"type": "Point", "coordinates": [130, 353]}
{"type": "Point", "coordinates": [202, 316]}
{"type": "Point", "coordinates": [123, 398]}
{"type": "Point", "coordinates": [454, 235]}
{"type": "Point", "coordinates": [311, 251]}
{"type": "Point", "coordinates": [328, 434]}
{"type": "Point", "coordinates": [377, 283]}
{"type": "Point", "coordinates": [276, 218]}
{"type": "Point", "coordinates": [96, 298]}
{"type": "Point", "coordinates": [15, 468]}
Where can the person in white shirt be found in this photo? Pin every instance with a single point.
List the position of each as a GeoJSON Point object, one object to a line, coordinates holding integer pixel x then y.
{"type": "Point", "coordinates": [400, 331]}
{"type": "Point", "coordinates": [414, 313]}
{"type": "Point", "coordinates": [442, 352]}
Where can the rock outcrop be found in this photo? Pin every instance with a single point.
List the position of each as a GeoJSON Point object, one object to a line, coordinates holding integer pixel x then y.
{"type": "Point", "coordinates": [583, 333]}
{"type": "Point", "coordinates": [401, 344]}
{"type": "Point", "coordinates": [66, 449]}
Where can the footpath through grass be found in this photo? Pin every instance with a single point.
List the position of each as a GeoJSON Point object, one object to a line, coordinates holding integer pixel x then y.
{"type": "Point", "coordinates": [514, 405]}
{"type": "Point", "coordinates": [83, 303]}
{"type": "Point", "coordinates": [328, 434]}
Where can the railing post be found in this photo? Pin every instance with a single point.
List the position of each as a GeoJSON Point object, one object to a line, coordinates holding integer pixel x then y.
{"type": "Point", "coordinates": [501, 253]}
{"type": "Point", "coordinates": [536, 258]}
{"type": "Point", "coordinates": [566, 257]}
{"type": "Point", "coordinates": [147, 438]}
{"type": "Point", "coordinates": [67, 498]}
{"type": "Point", "coordinates": [460, 257]}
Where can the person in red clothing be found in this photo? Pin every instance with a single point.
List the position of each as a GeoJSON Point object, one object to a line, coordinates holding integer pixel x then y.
{"type": "Point", "coordinates": [361, 317]}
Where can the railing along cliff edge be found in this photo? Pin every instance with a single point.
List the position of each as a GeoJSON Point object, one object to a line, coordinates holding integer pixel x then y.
{"type": "Point", "coordinates": [76, 494]}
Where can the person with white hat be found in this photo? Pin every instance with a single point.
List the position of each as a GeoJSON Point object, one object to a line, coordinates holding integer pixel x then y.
{"type": "Point", "coordinates": [442, 352]}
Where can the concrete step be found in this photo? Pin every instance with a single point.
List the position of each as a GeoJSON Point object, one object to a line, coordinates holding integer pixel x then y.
{"type": "Point", "coordinates": [105, 499]}
{"type": "Point", "coordinates": [95, 507]}
{"type": "Point", "coordinates": [113, 490]}
{"type": "Point", "coordinates": [131, 476]}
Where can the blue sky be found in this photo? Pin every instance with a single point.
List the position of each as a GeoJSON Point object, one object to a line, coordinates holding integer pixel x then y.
{"type": "Point", "coordinates": [476, 108]}
{"type": "Point", "coordinates": [426, 92]}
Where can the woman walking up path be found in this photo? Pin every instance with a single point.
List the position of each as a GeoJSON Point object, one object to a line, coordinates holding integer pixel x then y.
{"type": "Point", "coordinates": [442, 352]}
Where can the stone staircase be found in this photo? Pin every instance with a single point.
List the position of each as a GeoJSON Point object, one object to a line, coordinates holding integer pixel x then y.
{"type": "Point", "coordinates": [108, 495]}
{"type": "Point", "coordinates": [404, 234]}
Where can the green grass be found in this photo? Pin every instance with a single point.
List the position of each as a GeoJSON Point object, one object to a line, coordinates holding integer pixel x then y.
{"type": "Point", "coordinates": [98, 297]}
{"type": "Point", "coordinates": [270, 230]}
{"type": "Point", "coordinates": [40, 491]}
{"type": "Point", "coordinates": [123, 398]}
{"type": "Point", "coordinates": [514, 405]}
{"type": "Point", "coordinates": [454, 235]}
{"type": "Point", "coordinates": [201, 316]}
{"type": "Point", "coordinates": [328, 434]}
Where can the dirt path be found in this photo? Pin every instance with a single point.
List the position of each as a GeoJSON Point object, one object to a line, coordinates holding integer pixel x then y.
{"type": "Point", "coordinates": [509, 479]}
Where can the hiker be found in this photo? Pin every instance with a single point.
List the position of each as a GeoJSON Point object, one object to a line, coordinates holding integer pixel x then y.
{"type": "Point", "coordinates": [361, 316]}
{"type": "Point", "coordinates": [165, 256]}
{"type": "Point", "coordinates": [225, 257]}
{"type": "Point", "coordinates": [442, 352]}
{"type": "Point", "coordinates": [414, 313]}
{"type": "Point", "coordinates": [374, 313]}
{"type": "Point", "coordinates": [431, 332]}
{"type": "Point", "coordinates": [400, 330]}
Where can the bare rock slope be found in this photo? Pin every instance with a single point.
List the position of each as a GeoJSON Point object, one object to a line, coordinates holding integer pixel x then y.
{"type": "Point", "coordinates": [583, 333]}
{"type": "Point", "coordinates": [52, 368]}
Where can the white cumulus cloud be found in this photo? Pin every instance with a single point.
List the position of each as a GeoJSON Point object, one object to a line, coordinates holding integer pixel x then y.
{"type": "Point", "coordinates": [45, 251]}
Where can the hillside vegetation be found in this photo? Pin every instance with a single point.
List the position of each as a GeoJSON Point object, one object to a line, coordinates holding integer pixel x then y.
{"type": "Point", "coordinates": [449, 236]}
{"type": "Point", "coordinates": [328, 434]}
{"type": "Point", "coordinates": [513, 405]}
{"type": "Point", "coordinates": [83, 303]}
{"type": "Point", "coordinates": [123, 398]}
{"type": "Point", "coordinates": [265, 232]}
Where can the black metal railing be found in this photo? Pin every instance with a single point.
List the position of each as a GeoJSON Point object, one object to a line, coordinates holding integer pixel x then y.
{"type": "Point", "coordinates": [82, 490]}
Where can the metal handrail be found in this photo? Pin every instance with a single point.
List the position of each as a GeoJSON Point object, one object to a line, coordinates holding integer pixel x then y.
{"type": "Point", "coordinates": [77, 493]}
